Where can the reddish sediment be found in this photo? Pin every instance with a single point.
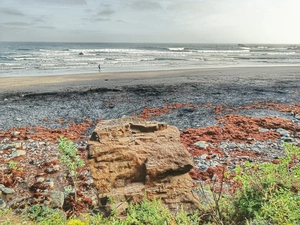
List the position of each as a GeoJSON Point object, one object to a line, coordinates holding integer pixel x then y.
{"type": "Point", "coordinates": [72, 131]}
{"type": "Point", "coordinates": [229, 127]}
{"type": "Point", "coordinates": [154, 112]}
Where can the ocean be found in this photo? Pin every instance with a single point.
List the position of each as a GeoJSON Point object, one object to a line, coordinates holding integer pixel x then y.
{"type": "Point", "coordinates": [42, 58]}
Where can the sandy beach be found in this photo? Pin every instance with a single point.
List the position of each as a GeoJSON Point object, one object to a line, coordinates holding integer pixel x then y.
{"type": "Point", "coordinates": [248, 76]}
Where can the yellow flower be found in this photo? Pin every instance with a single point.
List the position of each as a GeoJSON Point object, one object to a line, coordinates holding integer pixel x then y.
{"type": "Point", "coordinates": [76, 222]}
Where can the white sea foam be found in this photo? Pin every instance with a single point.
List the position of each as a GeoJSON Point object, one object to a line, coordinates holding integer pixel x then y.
{"type": "Point", "coordinates": [176, 49]}
{"type": "Point", "coordinates": [66, 57]}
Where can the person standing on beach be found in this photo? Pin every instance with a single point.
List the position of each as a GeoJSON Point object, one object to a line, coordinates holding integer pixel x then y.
{"type": "Point", "coordinates": [99, 67]}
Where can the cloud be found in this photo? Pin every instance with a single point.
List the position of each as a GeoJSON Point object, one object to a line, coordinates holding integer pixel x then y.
{"type": "Point", "coordinates": [120, 21]}
{"type": "Point", "coordinates": [46, 27]}
{"type": "Point", "coordinates": [106, 12]}
{"type": "Point", "coordinates": [59, 2]}
{"type": "Point", "coordinates": [145, 5]}
{"type": "Point", "coordinates": [11, 12]}
{"type": "Point", "coordinates": [16, 24]}
{"type": "Point", "coordinates": [102, 19]}
{"type": "Point", "coordinates": [69, 2]}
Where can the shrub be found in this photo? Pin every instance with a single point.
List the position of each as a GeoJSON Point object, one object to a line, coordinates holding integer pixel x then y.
{"type": "Point", "coordinates": [269, 192]}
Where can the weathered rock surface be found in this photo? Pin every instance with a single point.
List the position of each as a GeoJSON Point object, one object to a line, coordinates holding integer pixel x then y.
{"type": "Point", "coordinates": [131, 158]}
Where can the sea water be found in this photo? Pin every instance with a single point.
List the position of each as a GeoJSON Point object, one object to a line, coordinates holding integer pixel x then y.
{"type": "Point", "coordinates": [38, 59]}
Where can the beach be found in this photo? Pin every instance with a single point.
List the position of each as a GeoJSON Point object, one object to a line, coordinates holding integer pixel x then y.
{"type": "Point", "coordinates": [32, 99]}
{"type": "Point", "coordinates": [248, 76]}
{"type": "Point", "coordinates": [225, 116]}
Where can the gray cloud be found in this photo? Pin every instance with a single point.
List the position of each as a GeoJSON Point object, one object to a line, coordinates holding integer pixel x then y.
{"type": "Point", "coordinates": [16, 24]}
{"type": "Point", "coordinates": [70, 2]}
{"type": "Point", "coordinates": [120, 21]}
{"type": "Point", "coordinates": [61, 2]}
{"type": "Point", "coordinates": [102, 19]}
{"type": "Point", "coordinates": [145, 5]}
{"type": "Point", "coordinates": [46, 27]}
{"type": "Point", "coordinates": [11, 12]}
{"type": "Point", "coordinates": [106, 12]}
{"type": "Point", "coordinates": [41, 19]}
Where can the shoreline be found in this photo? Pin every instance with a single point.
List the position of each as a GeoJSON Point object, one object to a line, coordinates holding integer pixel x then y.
{"type": "Point", "coordinates": [235, 75]}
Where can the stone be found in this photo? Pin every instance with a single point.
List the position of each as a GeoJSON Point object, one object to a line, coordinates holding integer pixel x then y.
{"type": "Point", "coordinates": [57, 198]}
{"type": "Point", "coordinates": [202, 167]}
{"type": "Point", "coordinates": [223, 145]}
{"type": "Point", "coordinates": [18, 153]}
{"type": "Point", "coordinates": [287, 139]}
{"type": "Point", "coordinates": [232, 145]}
{"type": "Point", "coordinates": [131, 158]}
{"type": "Point", "coordinates": [40, 179]}
{"type": "Point", "coordinates": [283, 132]}
{"type": "Point", "coordinates": [2, 204]}
{"type": "Point", "coordinates": [15, 133]}
{"type": "Point", "coordinates": [13, 146]}
{"type": "Point", "coordinates": [201, 144]}
{"type": "Point", "coordinates": [263, 130]}
{"type": "Point", "coordinates": [203, 156]}
{"type": "Point", "coordinates": [6, 190]}
{"type": "Point", "coordinates": [49, 183]}
{"type": "Point", "coordinates": [297, 117]}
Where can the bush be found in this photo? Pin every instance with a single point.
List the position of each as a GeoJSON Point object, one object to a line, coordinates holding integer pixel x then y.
{"type": "Point", "coordinates": [269, 192]}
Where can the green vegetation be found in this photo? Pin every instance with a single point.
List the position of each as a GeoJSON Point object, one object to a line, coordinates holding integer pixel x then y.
{"type": "Point", "coordinates": [267, 193]}
{"type": "Point", "coordinates": [138, 214]}
{"type": "Point", "coordinates": [12, 165]}
{"type": "Point", "coordinates": [71, 161]}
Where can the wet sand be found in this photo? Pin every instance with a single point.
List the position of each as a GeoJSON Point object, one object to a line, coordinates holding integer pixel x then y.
{"type": "Point", "coordinates": [250, 76]}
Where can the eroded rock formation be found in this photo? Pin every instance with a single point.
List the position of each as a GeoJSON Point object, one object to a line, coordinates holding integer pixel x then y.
{"type": "Point", "coordinates": [131, 158]}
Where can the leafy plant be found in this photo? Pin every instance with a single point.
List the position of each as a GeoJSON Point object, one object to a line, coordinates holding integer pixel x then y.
{"type": "Point", "coordinates": [70, 159]}
{"type": "Point", "coordinates": [269, 192]}
{"type": "Point", "coordinates": [12, 165]}
{"type": "Point", "coordinates": [44, 215]}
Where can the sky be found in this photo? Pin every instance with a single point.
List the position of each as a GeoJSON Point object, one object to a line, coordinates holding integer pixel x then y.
{"type": "Point", "coordinates": [152, 21]}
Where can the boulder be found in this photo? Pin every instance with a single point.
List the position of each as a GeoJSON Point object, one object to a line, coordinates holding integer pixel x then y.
{"type": "Point", "coordinates": [131, 158]}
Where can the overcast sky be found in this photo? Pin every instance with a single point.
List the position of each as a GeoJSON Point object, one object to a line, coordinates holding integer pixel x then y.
{"type": "Point", "coordinates": [196, 21]}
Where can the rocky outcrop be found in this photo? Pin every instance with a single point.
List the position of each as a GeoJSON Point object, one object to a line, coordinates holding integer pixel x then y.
{"type": "Point", "coordinates": [131, 158]}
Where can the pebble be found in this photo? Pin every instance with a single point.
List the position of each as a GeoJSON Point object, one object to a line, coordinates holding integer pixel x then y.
{"type": "Point", "coordinates": [203, 157]}
{"type": "Point", "coordinates": [201, 144]}
{"type": "Point", "coordinates": [232, 145]}
{"type": "Point", "coordinates": [18, 153]}
{"type": "Point", "coordinates": [283, 132]}
{"type": "Point", "coordinates": [40, 179]}
{"type": "Point", "coordinates": [89, 181]}
{"type": "Point", "coordinates": [15, 133]}
{"type": "Point", "coordinates": [202, 167]}
{"type": "Point", "coordinates": [263, 130]}
{"type": "Point", "coordinates": [223, 145]}
{"type": "Point", "coordinates": [49, 183]}
{"type": "Point", "coordinates": [297, 117]}
{"type": "Point", "coordinates": [57, 197]}
{"type": "Point", "coordinates": [6, 190]}
{"type": "Point", "coordinates": [2, 204]}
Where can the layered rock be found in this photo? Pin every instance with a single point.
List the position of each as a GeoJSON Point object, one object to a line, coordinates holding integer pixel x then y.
{"type": "Point", "coordinates": [131, 158]}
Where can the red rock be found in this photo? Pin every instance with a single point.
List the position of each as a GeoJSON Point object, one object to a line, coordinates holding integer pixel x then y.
{"type": "Point", "coordinates": [131, 158]}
